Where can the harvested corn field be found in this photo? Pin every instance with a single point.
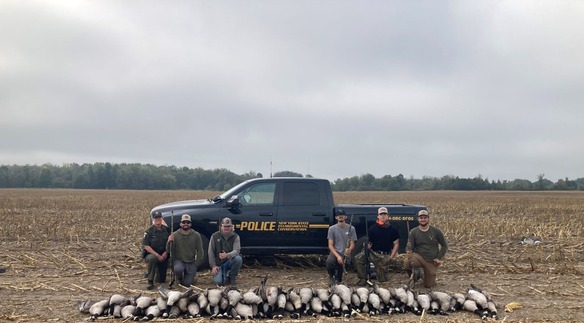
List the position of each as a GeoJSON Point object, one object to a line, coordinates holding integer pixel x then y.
{"type": "Point", "coordinates": [62, 246]}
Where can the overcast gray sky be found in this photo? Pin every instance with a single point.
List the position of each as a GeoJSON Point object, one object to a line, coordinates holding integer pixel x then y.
{"type": "Point", "coordinates": [328, 88]}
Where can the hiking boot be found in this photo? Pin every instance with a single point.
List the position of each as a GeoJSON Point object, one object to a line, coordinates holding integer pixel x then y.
{"type": "Point", "coordinates": [362, 282]}
{"type": "Point", "coordinates": [150, 285]}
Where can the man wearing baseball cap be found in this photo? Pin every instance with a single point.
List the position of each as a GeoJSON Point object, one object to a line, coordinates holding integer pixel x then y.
{"type": "Point", "coordinates": [383, 246]}
{"type": "Point", "coordinates": [154, 250]}
{"type": "Point", "coordinates": [187, 251]}
{"type": "Point", "coordinates": [341, 242]}
{"type": "Point", "coordinates": [425, 249]}
{"type": "Point", "coordinates": [224, 258]}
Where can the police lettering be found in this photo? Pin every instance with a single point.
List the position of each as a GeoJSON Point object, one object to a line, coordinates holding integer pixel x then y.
{"type": "Point", "coordinates": [257, 226]}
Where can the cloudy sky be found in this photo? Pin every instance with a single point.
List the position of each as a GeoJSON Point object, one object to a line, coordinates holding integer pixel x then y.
{"type": "Point", "coordinates": [328, 88]}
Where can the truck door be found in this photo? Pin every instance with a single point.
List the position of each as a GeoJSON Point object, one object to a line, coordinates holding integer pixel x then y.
{"type": "Point", "coordinates": [256, 220]}
{"type": "Point", "coordinates": [304, 215]}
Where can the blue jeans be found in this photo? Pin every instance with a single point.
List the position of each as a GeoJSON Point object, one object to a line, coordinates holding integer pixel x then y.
{"type": "Point", "coordinates": [228, 271]}
{"type": "Point", "coordinates": [185, 272]}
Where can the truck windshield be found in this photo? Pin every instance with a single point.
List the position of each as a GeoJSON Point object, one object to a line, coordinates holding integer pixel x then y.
{"type": "Point", "coordinates": [232, 190]}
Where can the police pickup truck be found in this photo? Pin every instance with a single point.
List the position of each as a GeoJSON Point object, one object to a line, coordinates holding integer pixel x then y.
{"type": "Point", "coordinates": [283, 215]}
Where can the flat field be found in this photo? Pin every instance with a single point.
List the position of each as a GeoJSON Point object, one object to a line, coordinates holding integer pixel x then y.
{"type": "Point", "coordinates": [62, 246]}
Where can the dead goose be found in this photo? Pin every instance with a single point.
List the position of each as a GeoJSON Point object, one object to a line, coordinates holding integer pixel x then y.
{"type": "Point", "coordinates": [434, 307]}
{"type": "Point", "coordinates": [271, 296]}
{"type": "Point", "coordinates": [363, 296]}
{"type": "Point", "coordinates": [233, 296]}
{"type": "Point", "coordinates": [375, 301]}
{"type": "Point", "coordinates": [201, 299]}
{"type": "Point", "coordinates": [443, 300]}
{"type": "Point", "coordinates": [532, 240]}
{"type": "Point", "coordinates": [127, 312]}
{"type": "Point", "coordinates": [384, 293]}
{"type": "Point", "coordinates": [280, 306]}
{"type": "Point", "coordinates": [117, 309]}
{"type": "Point", "coordinates": [84, 306]}
{"type": "Point", "coordinates": [194, 310]}
{"type": "Point", "coordinates": [412, 304]}
{"type": "Point", "coordinates": [142, 303]}
{"type": "Point", "coordinates": [306, 294]}
{"type": "Point", "coordinates": [424, 301]}
{"type": "Point", "coordinates": [344, 292]}
{"type": "Point", "coordinates": [336, 302]}
{"type": "Point", "coordinates": [479, 298]}
{"type": "Point", "coordinates": [242, 311]}
{"type": "Point", "coordinates": [316, 306]}
{"type": "Point", "coordinates": [457, 301]}
{"type": "Point", "coordinates": [214, 296]}
{"type": "Point", "coordinates": [98, 309]}
{"type": "Point", "coordinates": [471, 306]}
{"type": "Point", "coordinates": [116, 299]}
{"type": "Point", "coordinates": [172, 297]}
{"type": "Point", "coordinates": [492, 307]}
{"type": "Point", "coordinates": [401, 297]}
{"type": "Point", "coordinates": [296, 301]}
{"type": "Point", "coordinates": [151, 312]}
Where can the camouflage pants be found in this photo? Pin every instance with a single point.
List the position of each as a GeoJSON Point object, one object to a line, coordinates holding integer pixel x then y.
{"type": "Point", "coordinates": [380, 261]}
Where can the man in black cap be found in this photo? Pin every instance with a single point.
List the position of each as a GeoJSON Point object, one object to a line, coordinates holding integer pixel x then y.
{"type": "Point", "coordinates": [341, 242]}
{"type": "Point", "coordinates": [224, 258]}
{"type": "Point", "coordinates": [154, 246]}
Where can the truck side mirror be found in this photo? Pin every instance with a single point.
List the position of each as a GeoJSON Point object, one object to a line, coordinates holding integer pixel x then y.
{"type": "Point", "coordinates": [233, 202]}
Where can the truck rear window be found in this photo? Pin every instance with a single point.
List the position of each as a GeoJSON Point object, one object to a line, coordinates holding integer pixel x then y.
{"type": "Point", "coordinates": [301, 194]}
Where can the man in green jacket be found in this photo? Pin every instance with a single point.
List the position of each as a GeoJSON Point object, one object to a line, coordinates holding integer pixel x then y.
{"type": "Point", "coordinates": [425, 249]}
{"type": "Point", "coordinates": [187, 251]}
{"type": "Point", "coordinates": [154, 246]}
{"type": "Point", "coordinates": [224, 258]}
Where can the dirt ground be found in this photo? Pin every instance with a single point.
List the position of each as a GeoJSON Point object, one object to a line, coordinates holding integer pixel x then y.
{"type": "Point", "coordinates": [44, 284]}
{"type": "Point", "coordinates": [92, 258]}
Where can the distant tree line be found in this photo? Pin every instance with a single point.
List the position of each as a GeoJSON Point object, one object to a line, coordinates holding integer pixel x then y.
{"type": "Point", "coordinates": [152, 177]}
{"type": "Point", "coordinates": [369, 182]}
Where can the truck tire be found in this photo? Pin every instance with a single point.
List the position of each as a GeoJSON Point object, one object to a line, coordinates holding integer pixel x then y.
{"type": "Point", "coordinates": [205, 262]}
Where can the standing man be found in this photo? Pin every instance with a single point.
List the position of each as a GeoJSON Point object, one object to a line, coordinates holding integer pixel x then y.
{"type": "Point", "coordinates": [425, 249]}
{"type": "Point", "coordinates": [154, 250]}
{"type": "Point", "coordinates": [187, 251]}
{"type": "Point", "coordinates": [341, 242]}
{"type": "Point", "coordinates": [224, 258]}
{"type": "Point", "coordinates": [383, 245]}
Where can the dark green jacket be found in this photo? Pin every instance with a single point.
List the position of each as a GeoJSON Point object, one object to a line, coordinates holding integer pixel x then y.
{"type": "Point", "coordinates": [219, 243]}
{"type": "Point", "coordinates": [430, 244]}
{"type": "Point", "coordinates": [156, 239]}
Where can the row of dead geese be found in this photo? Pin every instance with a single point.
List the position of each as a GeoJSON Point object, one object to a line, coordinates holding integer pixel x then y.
{"type": "Point", "coordinates": [276, 303]}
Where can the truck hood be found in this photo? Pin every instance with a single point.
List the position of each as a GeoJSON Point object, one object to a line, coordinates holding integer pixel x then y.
{"type": "Point", "coordinates": [181, 205]}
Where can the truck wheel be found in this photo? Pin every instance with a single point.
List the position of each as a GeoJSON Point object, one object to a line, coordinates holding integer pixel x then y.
{"type": "Point", "coordinates": [205, 262]}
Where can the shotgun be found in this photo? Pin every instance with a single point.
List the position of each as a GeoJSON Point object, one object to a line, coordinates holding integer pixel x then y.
{"type": "Point", "coordinates": [347, 245]}
{"type": "Point", "coordinates": [367, 252]}
{"type": "Point", "coordinates": [171, 251]}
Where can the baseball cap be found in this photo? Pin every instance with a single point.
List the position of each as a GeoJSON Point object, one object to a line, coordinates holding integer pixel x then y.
{"type": "Point", "coordinates": [382, 210]}
{"type": "Point", "coordinates": [423, 212]}
{"type": "Point", "coordinates": [186, 217]}
{"type": "Point", "coordinates": [340, 212]}
{"type": "Point", "coordinates": [226, 222]}
{"type": "Point", "coordinates": [157, 214]}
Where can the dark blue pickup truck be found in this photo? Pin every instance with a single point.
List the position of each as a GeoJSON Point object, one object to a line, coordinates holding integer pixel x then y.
{"type": "Point", "coordinates": [283, 215]}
